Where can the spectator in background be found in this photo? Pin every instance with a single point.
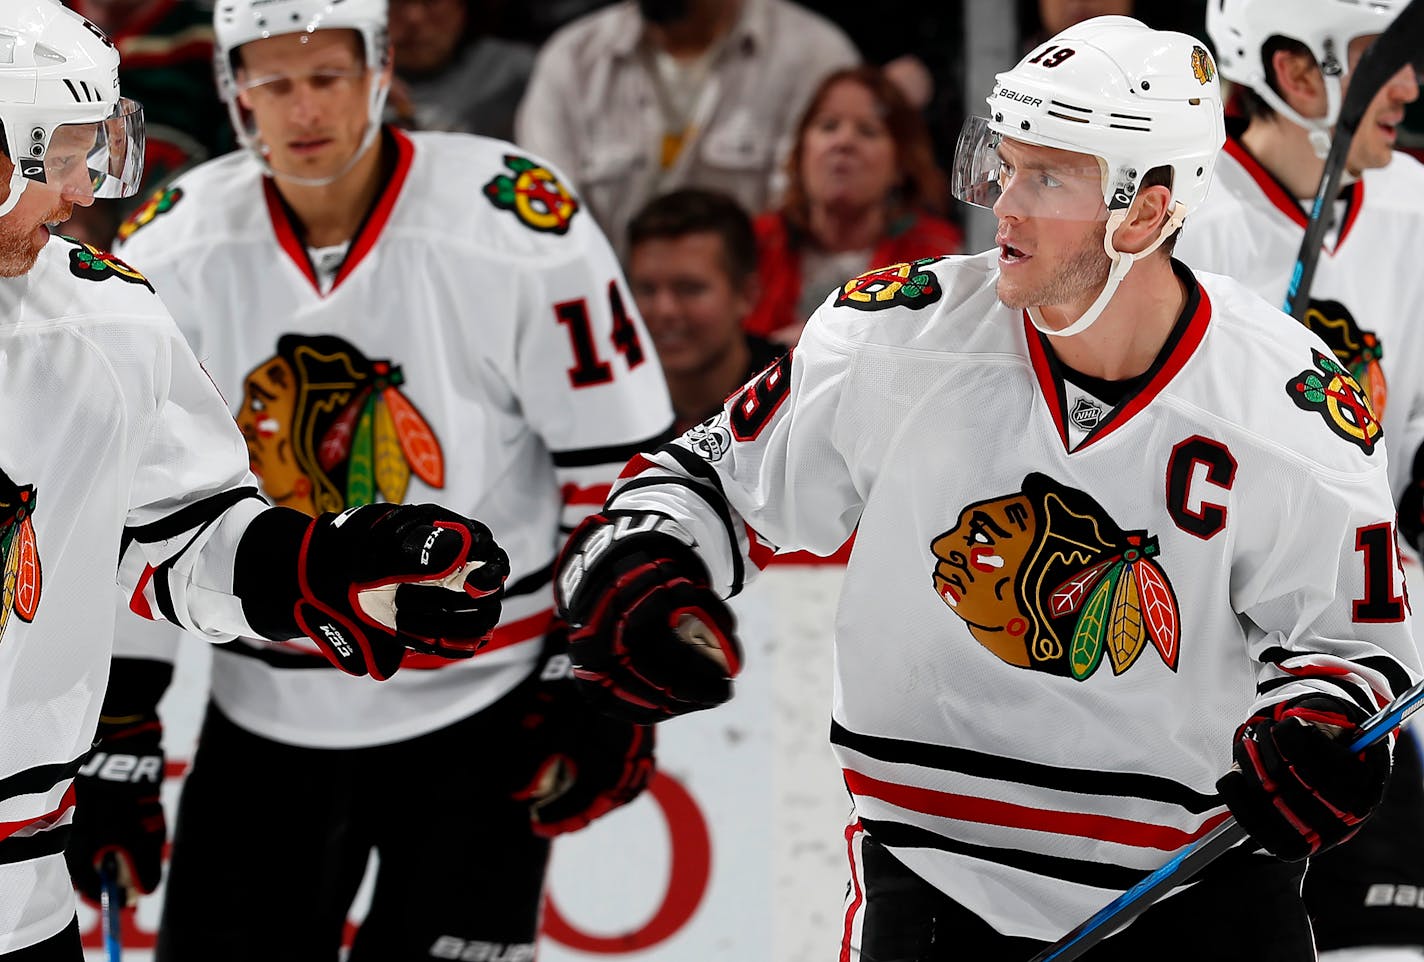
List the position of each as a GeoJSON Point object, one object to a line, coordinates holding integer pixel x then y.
{"type": "Point", "coordinates": [1041, 19]}
{"type": "Point", "coordinates": [641, 98]}
{"type": "Point", "coordinates": [166, 51]}
{"type": "Point", "coordinates": [692, 267]}
{"type": "Point", "coordinates": [451, 77]}
{"type": "Point", "coordinates": [864, 191]}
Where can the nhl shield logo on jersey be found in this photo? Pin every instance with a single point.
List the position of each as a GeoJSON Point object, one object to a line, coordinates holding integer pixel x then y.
{"type": "Point", "coordinates": [1046, 580]}
{"type": "Point", "coordinates": [1358, 351]}
{"type": "Point", "coordinates": [22, 580]}
{"type": "Point", "coordinates": [1086, 413]}
{"type": "Point", "coordinates": [93, 264]}
{"type": "Point", "coordinates": [1338, 398]}
{"type": "Point", "coordinates": [328, 429]}
{"type": "Point", "coordinates": [908, 284]}
{"type": "Point", "coordinates": [534, 195]}
{"type": "Point", "coordinates": [160, 203]}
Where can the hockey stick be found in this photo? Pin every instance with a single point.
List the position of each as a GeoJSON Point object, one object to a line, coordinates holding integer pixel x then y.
{"type": "Point", "coordinates": [1192, 859]}
{"type": "Point", "coordinates": [110, 901]}
{"type": "Point", "coordinates": [1400, 43]}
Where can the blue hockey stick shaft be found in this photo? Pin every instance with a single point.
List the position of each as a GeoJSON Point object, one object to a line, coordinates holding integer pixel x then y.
{"type": "Point", "coordinates": [111, 900]}
{"type": "Point", "coordinates": [1192, 859]}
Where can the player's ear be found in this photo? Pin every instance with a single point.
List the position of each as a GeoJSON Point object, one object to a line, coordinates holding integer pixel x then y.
{"type": "Point", "coordinates": [1149, 211]}
{"type": "Point", "coordinates": [1300, 82]}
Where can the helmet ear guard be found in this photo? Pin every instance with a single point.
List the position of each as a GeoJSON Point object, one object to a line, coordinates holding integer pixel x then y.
{"type": "Point", "coordinates": [1132, 98]}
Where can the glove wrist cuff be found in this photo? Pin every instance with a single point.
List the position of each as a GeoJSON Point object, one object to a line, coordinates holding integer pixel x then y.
{"type": "Point", "coordinates": [266, 572]}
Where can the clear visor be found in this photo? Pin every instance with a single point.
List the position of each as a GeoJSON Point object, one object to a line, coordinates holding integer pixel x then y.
{"type": "Point", "coordinates": [1015, 178]}
{"type": "Point", "coordinates": [95, 159]}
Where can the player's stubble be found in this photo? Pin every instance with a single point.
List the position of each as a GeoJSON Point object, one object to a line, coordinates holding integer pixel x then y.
{"type": "Point", "coordinates": [1080, 276]}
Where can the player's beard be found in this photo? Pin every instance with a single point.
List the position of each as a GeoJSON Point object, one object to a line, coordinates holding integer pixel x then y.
{"type": "Point", "coordinates": [18, 249]}
{"type": "Point", "coordinates": [1080, 279]}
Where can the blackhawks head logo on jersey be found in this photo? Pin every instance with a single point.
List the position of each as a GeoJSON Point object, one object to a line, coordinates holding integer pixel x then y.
{"type": "Point", "coordinates": [21, 593]}
{"type": "Point", "coordinates": [328, 429]}
{"type": "Point", "coordinates": [1046, 580]}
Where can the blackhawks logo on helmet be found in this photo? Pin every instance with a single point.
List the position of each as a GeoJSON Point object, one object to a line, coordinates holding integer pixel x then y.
{"type": "Point", "coordinates": [534, 195]}
{"type": "Point", "coordinates": [1330, 390]}
{"type": "Point", "coordinates": [1046, 580]}
{"type": "Point", "coordinates": [21, 591]}
{"type": "Point", "coordinates": [92, 264]}
{"type": "Point", "coordinates": [160, 203]}
{"type": "Point", "coordinates": [910, 284]}
{"type": "Point", "coordinates": [1358, 351]}
{"type": "Point", "coordinates": [1202, 67]}
{"type": "Point", "coordinates": [328, 429]}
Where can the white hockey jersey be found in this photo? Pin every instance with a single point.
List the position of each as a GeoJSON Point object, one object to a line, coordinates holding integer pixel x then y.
{"type": "Point", "coordinates": [1366, 282]}
{"type": "Point", "coordinates": [1044, 647]}
{"type": "Point", "coordinates": [477, 348]}
{"type": "Point", "coordinates": [114, 440]}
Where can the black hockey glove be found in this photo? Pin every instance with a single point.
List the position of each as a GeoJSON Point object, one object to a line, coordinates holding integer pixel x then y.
{"type": "Point", "coordinates": [580, 763]}
{"type": "Point", "coordinates": [649, 638]}
{"type": "Point", "coordinates": [1296, 787]}
{"type": "Point", "coordinates": [370, 582]}
{"type": "Point", "coordinates": [116, 803]}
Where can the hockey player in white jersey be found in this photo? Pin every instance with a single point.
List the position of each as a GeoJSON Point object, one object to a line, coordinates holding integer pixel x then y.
{"type": "Point", "coordinates": [1293, 62]}
{"type": "Point", "coordinates": [116, 447]}
{"type": "Point", "coordinates": [391, 317]}
{"type": "Point", "coordinates": [1118, 527]}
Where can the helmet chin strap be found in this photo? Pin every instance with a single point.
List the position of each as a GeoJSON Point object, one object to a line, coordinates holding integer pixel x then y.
{"type": "Point", "coordinates": [18, 184]}
{"type": "Point", "coordinates": [1121, 263]}
{"type": "Point", "coordinates": [1319, 128]}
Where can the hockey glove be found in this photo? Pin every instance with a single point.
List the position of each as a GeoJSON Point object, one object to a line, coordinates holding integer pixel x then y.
{"type": "Point", "coordinates": [1296, 787]}
{"type": "Point", "coordinates": [116, 804]}
{"type": "Point", "coordinates": [649, 638]}
{"type": "Point", "coordinates": [582, 763]}
{"type": "Point", "coordinates": [368, 583]}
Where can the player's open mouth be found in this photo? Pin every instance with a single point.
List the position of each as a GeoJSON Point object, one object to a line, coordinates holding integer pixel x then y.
{"type": "Point", "coordinates": [1009, 254]}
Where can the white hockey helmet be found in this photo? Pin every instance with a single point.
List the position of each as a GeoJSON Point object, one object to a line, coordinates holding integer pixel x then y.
{"type": "Point", "coordinates": [1133, 97]}
{"type": "Point", "coordinates": [1240, 29]}
{"type": "Point", "coordinates": [59, 102]}
{"type": "Point", "coordinates": [236, 22]}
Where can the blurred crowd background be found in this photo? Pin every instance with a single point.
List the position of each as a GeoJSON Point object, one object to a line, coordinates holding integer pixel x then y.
{"type": "Point", "coordinates": [743, 156]}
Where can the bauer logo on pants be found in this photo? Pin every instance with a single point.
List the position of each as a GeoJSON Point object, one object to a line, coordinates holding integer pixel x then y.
{"type": "Point", "coordinates": [22, 580]}
{"type": "Point", "coordinates": [1046, 580]}
{"type": "Point", "coordinates": [328, 428]}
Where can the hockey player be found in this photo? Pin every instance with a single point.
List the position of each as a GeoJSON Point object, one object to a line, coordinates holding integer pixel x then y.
{"type": "Point", "coordinates": [1119, 527]}
{"type": "Point", "coordinates": [116, 446]}
{"type": "Point", "coordinates": [1293, 63]}
{"type": "Point", "coordinates": [392, 317]}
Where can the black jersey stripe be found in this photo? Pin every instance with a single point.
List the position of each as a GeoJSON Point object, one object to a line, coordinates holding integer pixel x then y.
{"type": "Point", "coordinates": [717, 504]}
{"type": "Point", "coordinates": [1098, 874]}
{"type": "Point", "coordinates": [1347, 689]}
{"type": "Point", "coordinates": [694, 466]}
{"type": "Point", "coordinates": [1394, 673]}
{"type": "Point", "coordinates": [28, 847]}
{"type": "Point", "coordinates": [189, 516]}
{"type": "Point", "coordinates": [612, 454]}
{"type": "Point", "coordinates": [39, 779]}
{"type": "Point", "coordinates": [984, 765]}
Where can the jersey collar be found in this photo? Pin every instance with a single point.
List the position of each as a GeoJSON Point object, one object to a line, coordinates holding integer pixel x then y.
{"type": "Point", "coordinates": [1280, 197]}
{"type": "Point", "coordinates": [288, 230]}
{"type": "Point", "coordinates": [1181, 344]}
